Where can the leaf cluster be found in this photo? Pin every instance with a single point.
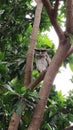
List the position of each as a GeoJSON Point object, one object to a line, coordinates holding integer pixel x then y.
{"type": "Point", "coordinates": [58, 112]}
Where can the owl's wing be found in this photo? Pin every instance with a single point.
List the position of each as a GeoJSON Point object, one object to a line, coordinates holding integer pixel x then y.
{"type": "Point", "coordinates": [48, 59]}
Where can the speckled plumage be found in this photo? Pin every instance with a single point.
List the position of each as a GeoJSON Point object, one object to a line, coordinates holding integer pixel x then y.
{"type": "Point", "coordinates": [42, 59]}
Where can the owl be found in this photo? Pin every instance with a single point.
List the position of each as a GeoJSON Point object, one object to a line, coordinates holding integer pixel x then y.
{"type": "Point", "coordinates": [42, 59]}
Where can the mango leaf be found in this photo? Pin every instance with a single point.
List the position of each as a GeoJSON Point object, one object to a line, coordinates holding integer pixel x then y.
{"type": "Point", "coordinates": [71, 66]}
{"type": "Point", "coordinates": [1, 55]}
{"type": "Point", "coordinates": [3, 66]}
{"type": "Point", "coordinates": [8, 87]}
{"type": "Point", "coordinates": [20, 107]}
{"type": "Point", "coordinates": [24, 90]}
{"type": "Point", "coordinates": [71, 38]}
{"type": "Point", "coordinates": [70, 116]}
{"type": "Point", "coordinates": [44, 41]}
{"type": "Point", "coordinates": [50, 114]}
{"type": "Point", "coordinates": [48, 127]}
{"type": "Point", "coordinates": [34, 95]}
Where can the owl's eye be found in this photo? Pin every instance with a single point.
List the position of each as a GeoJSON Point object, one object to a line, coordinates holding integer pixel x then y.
{"type": "Point", "coordinates": [40, 51]}
{"type": "Point", "coordinates": [43, 51]}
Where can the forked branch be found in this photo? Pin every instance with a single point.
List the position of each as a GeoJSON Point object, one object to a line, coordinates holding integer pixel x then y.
{"type": "Point", "coordinates": [53, 17]}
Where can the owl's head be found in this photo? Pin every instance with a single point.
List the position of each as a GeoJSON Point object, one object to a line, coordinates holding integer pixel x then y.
{"type": "Point", "coordinates": [40, 52]}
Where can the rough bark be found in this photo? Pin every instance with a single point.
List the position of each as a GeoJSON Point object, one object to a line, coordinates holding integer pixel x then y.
{"type": "Point", "coordinates": [69, 14]}
{"type": "Point", "coordinates": [14, 123]}
{"type": "Point", "coordinates": [30, 55]}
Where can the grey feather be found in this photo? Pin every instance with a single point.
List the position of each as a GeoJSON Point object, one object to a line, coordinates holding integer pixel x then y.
{"type": "Point", "coordinates": [42, 59]}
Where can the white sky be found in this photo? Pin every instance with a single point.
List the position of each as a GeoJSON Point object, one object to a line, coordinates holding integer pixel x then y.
{"type": "Point", "coordinates": [62, 80]}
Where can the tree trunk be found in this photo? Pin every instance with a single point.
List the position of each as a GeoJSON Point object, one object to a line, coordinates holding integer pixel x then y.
{"type": "Point", "coordinates": [14, 123]}
{"type": "Point", "coordinates": [30, 55]}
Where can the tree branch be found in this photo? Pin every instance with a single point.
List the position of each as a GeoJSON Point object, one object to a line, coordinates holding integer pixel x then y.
{"type": "Point", "coordinates": [69, 128]}
{"type": "Point", "coordinates": [39, 79]}
{"type": "Point", "coordinates": [30, 56]}
{"type": "Point", "coordinates": [56, 8]}
{"type": "Point", "coordinates": [53, 19]}
{"type": "Point", "coordinates": [70, 51]}
{"type": "Point", "coordinates": [69, 16]}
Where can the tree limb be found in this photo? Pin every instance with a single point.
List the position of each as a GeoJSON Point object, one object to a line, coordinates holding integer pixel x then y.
{"type": "Point", "coordinates": [70, 51]}
{"type": "Point", "coordinates": [69, 16]}
{"type": "Point", "coordinates": [38, 79]}
{"type": "Point", "coordinates": [53, 19]}
{"type": "Point", "coordinates": [30, 55]}
{"type": "Point", "coordinates": [56, 8]}
{"type": "Point", "coordinates": [69, 128]}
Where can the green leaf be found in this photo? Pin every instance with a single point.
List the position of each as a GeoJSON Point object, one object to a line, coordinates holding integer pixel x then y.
{"type": "Point", "coordinates": [50, 114]}
{"type": "Point", "coordinates": [20, 107]}
{"type": "Point", "coordinates": [24, 90]}
{"type": "Point", "coordinates": [71, 66]}
{"type": "Point", "coordinates": [1, 55]}
{"type": "Point", "coordinates": [3, 66]}
{"type": "Point", "coordinates": [70, 116]}
{"type": "Point", "coordinates": [48, 127]}
{"type": "Point", "coordinates": [44, 41]}
{"type": "Point", "coordinates": [8, 87]}
{"type": "Point", "coordinates": [71, 38]}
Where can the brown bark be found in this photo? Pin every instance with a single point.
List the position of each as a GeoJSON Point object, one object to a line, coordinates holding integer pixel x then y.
{"type": "Point", "coordinates": [15, 119]}
{"type": "Point", "coordinates": [30, 55]}
{"type": "Point", "coordinates": [56, 8]}
{"type": "Point", "coordinates": [69, 13]}
{"type": "Point", "coordinates": [38, 79]}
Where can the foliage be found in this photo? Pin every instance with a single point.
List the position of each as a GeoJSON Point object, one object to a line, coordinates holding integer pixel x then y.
{"type": "Point", "coordinates": [16, 20]}
{"type": "Point", "coordinates": [14, 97]}
{"type": "Point", "coordinates": [58, 112]}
